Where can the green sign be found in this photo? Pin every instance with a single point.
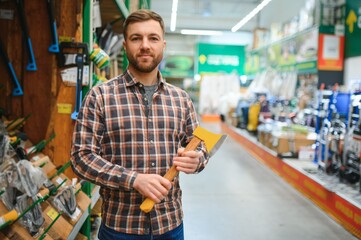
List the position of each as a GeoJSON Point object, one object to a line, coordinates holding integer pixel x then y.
{"type": "Point", "coordinates": [220, 58]}
{"type": "Point", "coordinates": [353, 29]}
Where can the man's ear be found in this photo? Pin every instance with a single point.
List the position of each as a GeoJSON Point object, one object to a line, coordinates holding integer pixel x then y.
{"type": "Point", "coordinates": [125, 49]}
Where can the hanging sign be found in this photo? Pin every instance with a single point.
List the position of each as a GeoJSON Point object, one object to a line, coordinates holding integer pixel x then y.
{"type": "Point", "coordinates": [353, 29]}
{"type": "Point", "coordinates": [330, 52]}
{"type": "Point", "coordinates": [214, 58]}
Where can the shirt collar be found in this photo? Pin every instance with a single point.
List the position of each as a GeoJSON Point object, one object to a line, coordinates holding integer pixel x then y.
{"type": "Point", "coordinates": [131, 81]}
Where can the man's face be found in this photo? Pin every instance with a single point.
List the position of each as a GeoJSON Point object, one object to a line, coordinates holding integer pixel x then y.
{"type": "Point", "coordinates": [144, 46]}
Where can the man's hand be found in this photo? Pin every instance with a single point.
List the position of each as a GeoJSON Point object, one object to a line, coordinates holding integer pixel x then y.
{"type": "Point", "coordinates": [187, 162]}
{"type": "Point", "coordinates": [152, 186]}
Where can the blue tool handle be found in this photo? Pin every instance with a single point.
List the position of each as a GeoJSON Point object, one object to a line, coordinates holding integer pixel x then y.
{"type": "Point", "coordinates": [54, 47]}
{"type": "Point", "coordinates": [79, 85]}
{"type": "Point", "coordinates": [31, 64]}
{"type": "Point", "coordinates": [17, 91]}
{"type": "Point", "coordinates": [79, 94]}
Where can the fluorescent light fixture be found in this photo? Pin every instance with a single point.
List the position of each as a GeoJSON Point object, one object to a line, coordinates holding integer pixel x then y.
{"type": "Point", "coordinates": [200, 32]}
{"type": "Point", "coordinates": [250, 15]}
{"type": "Point", "coordinates": [173, 19]}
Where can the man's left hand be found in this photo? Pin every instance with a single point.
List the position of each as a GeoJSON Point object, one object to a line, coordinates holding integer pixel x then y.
{"type": "Point", "coordinates": [187, 162]}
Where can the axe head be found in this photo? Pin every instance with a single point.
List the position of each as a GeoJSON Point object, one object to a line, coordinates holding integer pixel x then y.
{"type": "Point", "coordinates": [212, 141]}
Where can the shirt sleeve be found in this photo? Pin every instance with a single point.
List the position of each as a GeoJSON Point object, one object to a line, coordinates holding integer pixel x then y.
{"type": "Point", "coordinates": [192, 124]}
{"type": "Point", "coordinates": [86, 151]}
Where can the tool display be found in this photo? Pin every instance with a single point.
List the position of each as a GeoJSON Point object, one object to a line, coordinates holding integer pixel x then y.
{"type": "Point", "coordinates": [31, 62]}
{"type": "Point", "coordinates": [212, 142]}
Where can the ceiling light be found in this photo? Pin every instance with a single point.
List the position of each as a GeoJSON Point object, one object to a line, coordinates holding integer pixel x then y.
{"type": "Point", "coordinates": [250, 15]}
{"type": "Point", "coordinates": [173, 19]}
{"type": "Point", "coordinates": [200, 32]}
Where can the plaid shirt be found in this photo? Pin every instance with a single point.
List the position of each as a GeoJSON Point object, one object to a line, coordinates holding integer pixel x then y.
{"type": "Point", "coordinates": [114, 139]}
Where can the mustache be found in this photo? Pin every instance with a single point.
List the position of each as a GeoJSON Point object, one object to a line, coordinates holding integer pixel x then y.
{"type": "Point", "coordinates": [145, 52]}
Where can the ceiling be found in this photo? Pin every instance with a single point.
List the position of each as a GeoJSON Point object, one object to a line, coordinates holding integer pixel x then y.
{"type": "Point", "coordinates": [208, 14]}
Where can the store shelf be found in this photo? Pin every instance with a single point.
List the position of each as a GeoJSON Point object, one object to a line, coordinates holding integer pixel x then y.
{"type": "Point", "coordinates": [332, 200]}
{"type": "Point", "coordinates": [78, 226]}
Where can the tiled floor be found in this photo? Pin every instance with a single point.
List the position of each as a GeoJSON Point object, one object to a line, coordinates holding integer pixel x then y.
{"type": "Point", "coordinates": [237, 197]}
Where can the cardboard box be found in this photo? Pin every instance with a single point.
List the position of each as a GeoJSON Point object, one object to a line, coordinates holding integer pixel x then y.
{"type": "Point", "coordinates": [282, 141]}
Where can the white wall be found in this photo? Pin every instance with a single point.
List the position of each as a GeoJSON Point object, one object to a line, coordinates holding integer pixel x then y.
{"type": "Point", "coordinates": [352, 70]}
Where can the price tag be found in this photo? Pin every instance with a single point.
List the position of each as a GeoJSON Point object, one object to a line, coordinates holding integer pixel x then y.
{"type": "Point", "coordinates": [52, 213]}
{"type": "Point", "coordinates": [64, 108]}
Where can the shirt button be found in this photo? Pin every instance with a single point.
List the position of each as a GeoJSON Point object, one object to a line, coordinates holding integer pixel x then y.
{"type": "Point", "coordinates": [153, 164]}
{"type": "Point", "coordinates": [140, 85]}
{"type": "Point", "coordinates": [151, 141]}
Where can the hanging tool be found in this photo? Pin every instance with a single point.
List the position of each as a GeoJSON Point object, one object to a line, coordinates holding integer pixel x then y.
{"type": "Point", "coordinates": [54, 47]}
{"type": "Point", "coordinates": [211, 140]}
{"type": "Point", "coordinates": [17, 91]}
{"type": "Point", "coordinates": [78, 59]}
{"type": "Point", "coordinates": [31, 61]}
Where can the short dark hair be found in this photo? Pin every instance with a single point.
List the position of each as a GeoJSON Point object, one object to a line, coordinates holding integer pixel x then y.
{"type": "Point", "coordinates": [142, 15]}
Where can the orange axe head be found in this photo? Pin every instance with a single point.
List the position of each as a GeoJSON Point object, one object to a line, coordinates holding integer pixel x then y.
{"type": "Point", "coordinates": [212, 141]}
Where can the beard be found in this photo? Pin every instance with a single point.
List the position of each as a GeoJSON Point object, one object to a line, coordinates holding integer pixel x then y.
{"type": "Point", "coordinates": [145, 66]}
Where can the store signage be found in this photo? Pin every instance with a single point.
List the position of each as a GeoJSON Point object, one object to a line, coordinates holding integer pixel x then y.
{"type": "Point", "coordinates": [213, 58]}
{"type": "Point", "coordinates": [353, 28]}
{"type": "Point", "coordinates": [330, 52]}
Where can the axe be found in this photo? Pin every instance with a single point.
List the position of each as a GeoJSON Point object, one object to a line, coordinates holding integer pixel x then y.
{"type": "Point", "coordinates": [211, 140]}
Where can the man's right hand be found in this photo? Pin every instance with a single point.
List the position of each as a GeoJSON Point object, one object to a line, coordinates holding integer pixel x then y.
{"type": "Point", "coordinates": [152, 186]}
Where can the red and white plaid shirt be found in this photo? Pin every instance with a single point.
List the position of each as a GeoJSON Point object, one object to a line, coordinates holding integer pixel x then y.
{"type": "Point", "coordinates": [114, 139]}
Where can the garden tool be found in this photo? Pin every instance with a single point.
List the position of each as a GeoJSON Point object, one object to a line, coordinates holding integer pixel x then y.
{"type": "Point", "coordinates": [16, 123]}
{"type": "Point", "coordinates": [17, 90]}
{"type": "Point", "coordinates": [212, 142]}
{"type": "Point", "coordinates": [67, 57]}
{"type": "Point", "coordinates": [31, 62]}
{"type": "Point", "coordinates": [33, 219]}
{"type": "Point", "coordinates": [39, 146]}
{"type": "Point", "coordinates": [54, 47]}
{"type": "Point", "coordinates": [60, 212]}
{"type": "Point", "coordinates": [65, 201]}
{"type": "Point", "coordinates": [22, 176]}
{"type": "Point", "coordinates": [32, 178]}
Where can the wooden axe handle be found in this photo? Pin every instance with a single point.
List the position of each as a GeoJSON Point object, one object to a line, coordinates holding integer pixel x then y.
{"type": "Point", "coordinates": [148, 203]}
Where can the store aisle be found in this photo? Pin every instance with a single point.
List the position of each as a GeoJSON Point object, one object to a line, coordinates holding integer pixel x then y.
{"type": "Point", "coordinates": [237, 197]}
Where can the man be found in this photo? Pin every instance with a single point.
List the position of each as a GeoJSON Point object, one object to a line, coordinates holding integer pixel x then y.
{"type": "Point", "coordinates": [129, 132]}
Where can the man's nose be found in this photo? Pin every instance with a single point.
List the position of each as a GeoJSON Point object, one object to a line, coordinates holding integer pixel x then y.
{"type": "Point", "coordinates": [145, 44]}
